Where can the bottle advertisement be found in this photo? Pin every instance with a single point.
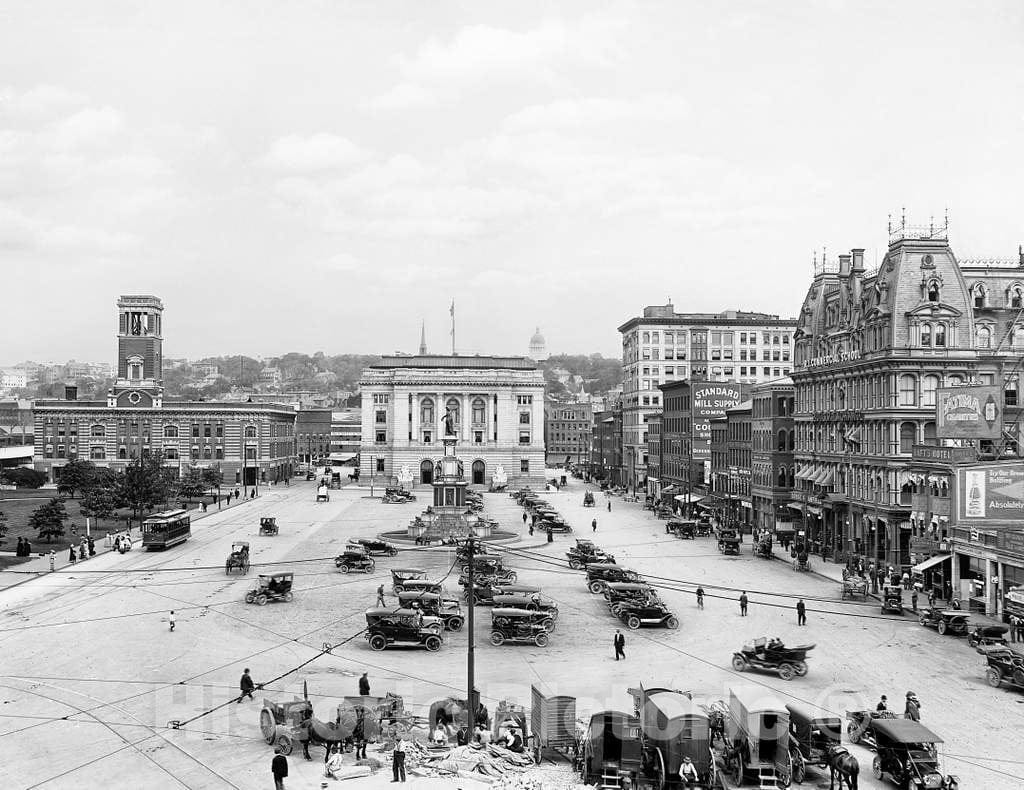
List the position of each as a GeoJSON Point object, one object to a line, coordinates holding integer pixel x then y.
{"type": "Point", "coordinates": [991, 493]}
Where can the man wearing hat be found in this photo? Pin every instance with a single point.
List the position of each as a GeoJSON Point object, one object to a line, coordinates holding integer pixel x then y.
{"type": "Point", "coordinates": [913, 709]}
{"type": "Point", "coordinates": [688, 773]}
{"type": "Point", "coordinates": [883, 704]}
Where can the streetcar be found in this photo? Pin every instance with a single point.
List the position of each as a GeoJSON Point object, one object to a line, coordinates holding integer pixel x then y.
{"type": "Point", "coordinates": [169, 528]}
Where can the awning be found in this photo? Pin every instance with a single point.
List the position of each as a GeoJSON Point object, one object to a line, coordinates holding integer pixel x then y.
{"type": "Point", "coordinates": [342, 458]}
{"type": "Point", "coordinates": [819, 479]}
{"type": "Point", "coordinates": [668, 489]}
{"type": "Point", "coordinates": [804, 472]}
{"type": "Point", "coordinates": [814, 509]}
{"type": "Point", "coordinates": [931, 562]}
{"type": "Point", "coordinates": [828, 479]}
{"type": "Point", "coordinates": [796, 506]}
{"type": "Point", "coordinates": [784, 526]}
{"type": "Point", "coordinates": [693, 499]}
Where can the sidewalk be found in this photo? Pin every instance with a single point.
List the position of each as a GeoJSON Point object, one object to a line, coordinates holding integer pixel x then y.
{"type": "Point", "coordinates": [39, 565]}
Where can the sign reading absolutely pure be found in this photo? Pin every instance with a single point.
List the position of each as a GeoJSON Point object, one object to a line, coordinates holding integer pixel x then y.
{"type": "Point", "coordinates": [969, 412]}
{"type": "Point", "coordinates": [988, 493]}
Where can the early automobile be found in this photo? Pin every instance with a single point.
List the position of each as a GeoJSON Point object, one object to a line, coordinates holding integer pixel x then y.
{"type": "Point", "coordinates": [238, 559]}
{"type": "Point", "coordinates": [395, 495]}
{"type": "Point", "coordinates": [771, 655]}
{"type": "Point", "coordinates": [588, 499]}
{"type": "Point", "coordinates": [859, 727]}
{"type": "Point", "coordinates": [945, 621]}
{"type": "Point", "coordinates": [600, 573]}
{"type": "Point", "coordinates": [681, 528]}
{"type": "Point", "coordinates": [907, 752]}
{"type": "Point", "coordinates": [757, 737]}
{"type": "Point", "coordinates": [446, 608]}
{"type": "Point", "coordinates": [354, 558]}
{"type": "Point", "coordinates": [268, 526]}
{"type": "Point", "coordinates": [377, 547]}
{"type": "Point", "coordinates": [533, 601]}
{"type": "Point", "coordinates": [634, 615]}
{"type": "Point", "coordinates": [763, 548]}
{"type": "Point", "coordinates": [271, 587]}
{"type": "Point", "coordinates": [812, 738]}
{"type": "Point", "coordinates": [493, 574]}
{"type": "Point", "coordinates": [515, 588]}
{"type": "Point", "coordinates": [386, 627]}
{"type": "Point", "coordinates": [801, 560]}
{"type": "Point", "coordinates": [892, 599]}
{"type": "Point", "coordinates": [422, 585]}
{"type": "Point", "coordinates": [730, 544]}
{"type": "Point", "coordinates": [554, 524]}
{"type": "Point", "coordinates": [399, 576]}
{"type": "Point", "coordinates": [1005, 665]}
{"type": "Point", "coordinates": [517, 625]}
{"type": "Point", "coordinates": [585, 551]}
{"type": "Point", "coordinates": [322, 493]}
{"type": "Point", "coordinates": [987, 635]}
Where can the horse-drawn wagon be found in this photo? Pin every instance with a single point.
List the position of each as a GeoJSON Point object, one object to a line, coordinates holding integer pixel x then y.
{"type": "Point", "coordinates": [238, 559]}
{"type": "Point", "coordinates": [813, 740]}
{"type": "Point", "coordinates": [855, 587]}
{"type": "Point", "coordinates": [757, 737]}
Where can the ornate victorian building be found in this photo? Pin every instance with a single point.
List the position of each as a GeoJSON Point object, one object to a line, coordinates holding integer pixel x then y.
{"type": "Point", "coordinates": [495, 404]}
{"type": "Point", "coordinates": [872, 350]}
{"type": "Point", "coordinates": [246, 441]}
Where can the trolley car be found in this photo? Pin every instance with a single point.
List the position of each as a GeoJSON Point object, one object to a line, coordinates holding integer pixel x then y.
{"type": "Point", "coordinates": [169, 528]}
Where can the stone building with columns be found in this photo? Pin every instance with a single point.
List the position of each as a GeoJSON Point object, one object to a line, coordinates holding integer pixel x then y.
{"type": "Point", "coordinates": [496, 405]}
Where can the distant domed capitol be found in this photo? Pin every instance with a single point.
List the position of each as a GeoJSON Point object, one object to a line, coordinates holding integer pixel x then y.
{"type": "Point", "coordinates": [538, 348]}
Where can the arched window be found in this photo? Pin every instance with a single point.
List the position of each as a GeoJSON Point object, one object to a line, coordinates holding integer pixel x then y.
{"type": "Point", "coordinates": [207, 452]}
{"type": "Point", "coordinates": [792, 440]}
{"type": "Point", "coordinates": [979, 295]}
{"type": "Point", "coordinates": [782, 476]}
{"type": "Point", "coordinates": [929, 433]}
{"type": "Point", "coordinates": [479, 411]}
{"type": "Point", "coordinates": [926, 334]}
{"type": "Point", "coordinates": [122, 453]}
{"type": "Point", "coordinates": [426, 471]}
{"type": "Point", "coordinates": [929, 384]}
{"type": "Point", "coordinates": [1016, 297]}
{"type": "Point", "coordinates": [933, 291]}
{"type": "Point", "coordinates": [98, 431]}
{"type": "Point", "coordinates": [908, 390]}
{"type": "Point", "coordinates": [984, 337]}
{"type": "Point", "coordinates": [479, 470]}
{"type": "Point", "coordinates": [782, 441]}
{"type": "Point", "coordinates": [170, 431]}
{"type": "Point", "coordinates": [427, 412]}
{"type": "Point", "coordinates": [908, 435]}
{"type": "Point", "coordinates": [940, 335]}
{"type": "Point", "coordinates": [250, 431]}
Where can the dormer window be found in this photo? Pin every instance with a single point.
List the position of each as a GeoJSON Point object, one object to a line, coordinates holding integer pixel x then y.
{"type": "Point", "coordinates": [984, 335]}
{"type": "Point", "coordinates": [979, 295]}
{"type": "Point", "coordinates": [933, 292]}
{"type": "Point", "coordinates": [1017, 297]}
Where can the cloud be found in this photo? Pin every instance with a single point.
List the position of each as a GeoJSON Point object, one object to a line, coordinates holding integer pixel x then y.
{"type": "Point", "coordinates": [313, 153]}
{"type": "Point", "coordinates": [482, 57]}
{"type": "Point", "coordinates": [40, 101]}
{"type": "Point", "coordinates": [88, 127]}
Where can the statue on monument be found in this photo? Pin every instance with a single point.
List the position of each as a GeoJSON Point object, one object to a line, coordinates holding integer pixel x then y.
{"type": "Point", "coordinates": [449, 421]}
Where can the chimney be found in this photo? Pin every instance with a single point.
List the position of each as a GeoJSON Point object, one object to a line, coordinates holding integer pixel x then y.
{"type": "Point", "coordinates": [858, 260]}
{"type": "Point", "coordinates": [70, 392]}
{"type": "Point", "coordinates": [844, 265]}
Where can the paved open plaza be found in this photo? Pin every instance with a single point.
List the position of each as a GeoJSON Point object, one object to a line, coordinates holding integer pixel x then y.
{"type": "Point", "coordinates": [93, 677]}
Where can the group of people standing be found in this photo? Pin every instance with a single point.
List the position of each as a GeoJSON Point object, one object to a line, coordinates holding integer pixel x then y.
{"type": "Point", "coordinates": [87, 548]}
{"type": "Point", "coordinates": [24, 548]}
{"type": "Point", "coordinates": [911, 710]}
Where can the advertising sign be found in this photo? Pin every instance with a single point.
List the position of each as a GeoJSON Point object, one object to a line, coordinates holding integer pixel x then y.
{"type": "Point", "coordinates": [710, 400]}
{"type": "Point", "coordinates": [969, 412]}
{"type": "Point", "coordinates": [990, 493]}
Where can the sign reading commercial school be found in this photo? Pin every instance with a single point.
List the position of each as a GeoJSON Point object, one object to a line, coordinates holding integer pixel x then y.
{"type": "Point", "coordinates": [969, 412]}
{"type": "Point", "coordinates": [990, 493]}
{"type": "Point", "coordinates": [710, 400]}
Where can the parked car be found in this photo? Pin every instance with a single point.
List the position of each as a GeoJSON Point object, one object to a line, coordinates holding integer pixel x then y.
{"type": "Point", "coordinates": [945, 621]}
{"type": "Point", "coordinates": [386, 627]}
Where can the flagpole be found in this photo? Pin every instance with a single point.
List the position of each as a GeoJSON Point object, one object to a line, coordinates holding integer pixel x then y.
{"type": "Point", "coordinates": [453, 327]}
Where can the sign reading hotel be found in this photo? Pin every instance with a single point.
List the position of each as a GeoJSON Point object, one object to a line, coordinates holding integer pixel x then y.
{"type": "Point", "coordinates": [710, 400]}
{"type": "Point", "coordinates": [969, 412]}
{"type": "Point", "coordinates": [990, 493]}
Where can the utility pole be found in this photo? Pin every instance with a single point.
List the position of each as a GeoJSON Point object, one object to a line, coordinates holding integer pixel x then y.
{"type": "Point", "coordinates": [471, 645]}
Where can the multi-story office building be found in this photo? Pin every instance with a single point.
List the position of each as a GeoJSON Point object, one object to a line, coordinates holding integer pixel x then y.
{"type": "Point", "coordinates": [568, 431]}
{"type": "Point", "coordinates": [662, 346]}
{"type": "Point", "coordinates": [773, 472]}
{"type": "Point", "coordinates": [346, 433]}
{"type": "Point", "coordinates": [654, 453]}
{"type": "Point", "coordinates": [312, 435]}
{"type": "Point", "coordinates": [606, 449]}
{"type": "Point", "coordinates": [247, 442]}
{"type": "Point", "coordinates": [873, 351]}
{"type": "Point", "coordinates": [496, 405]}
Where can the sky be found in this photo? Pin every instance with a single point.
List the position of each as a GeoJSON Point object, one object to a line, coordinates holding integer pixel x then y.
{"type": "Point", "coordinates": [323, 176]}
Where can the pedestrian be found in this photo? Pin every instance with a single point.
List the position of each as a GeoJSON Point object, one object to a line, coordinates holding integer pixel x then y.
{"type": "Point", "coordinates": [743, 604]}
{"type": "Point", "coordinates": [170, 619]}
{"type": "Point", "coordinates": [700, 597]}
{"type": "Point", "coordinates": [53, 559]}
{"type": "Point", "coordinates": [237, 494]}
{"type": "Point", "coordinates": [609, 506]}
{"type": "Point", "coordinates": [19, 552]}
{"type": "Point", "coordinates": [906, 580]}
{"type": "Point", "coordinates": [398, 761]}
{"type": "Point", "coordinates": [27, 549]}
{"type": "Point", "coordinates": [913, 709]}
{"type": "Point", "coordinates": [204, 506]}
{"type": "Point", "coordinates": [1013, 628]}
{"type": "Point", "coordinates": [1020, 629]}
{"type": "Point", "coordinates": [801, 612]}
{"type": "Point", "coordinates": [359, 737]}
{"type": "Point", "coordinates": [593, 525]}
{"type": "Point", "coordinates": [92, 546]}
{"type": "Point", "coordinates": [252, 494]}
{"type": "Point", "coordinates": [71, 554]}
{"type": "Point", "coordinates": [551, 536]}
{"type": "Point", "coordinates": [380, 595]}
{"type": "Point", "coordinates": [883, 704]}
{"type": "Point", "coordinates": [364, 686]}
{"type": "Point", "coordinates": [931, 597]}
{"type": "Point", "coordinates": [913, 599]}
{"type": "Point", "coordinates": [531, 529]}
{"type": "Point", "coordinates": [82, 549]}
{"type": "Point", "coordinates": [524, 518]}
{"type": "Point", "coordinates": [245, 684]}
{"type": "Point", "coordinates": [279, 768]}
{"type": "Point", "coordinates": [620, 645]}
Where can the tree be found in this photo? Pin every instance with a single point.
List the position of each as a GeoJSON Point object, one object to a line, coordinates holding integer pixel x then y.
{"type": "Point", "coordinates": [48, 519]}
{"type": "Point", "coordinates": [75, 475]}
{"type": "Point", "coordinates": [23, 478]}
{"type": "Point", "coordinates": [213, 478]}
{"type": "Point", "coordinates": [100, 501]}
{"type": "Point", "coordinates": [3, 527]}
{"type": "Point", "coordinates": [191, 484]}
{"type": "Point", "coordinates": [145, 484]}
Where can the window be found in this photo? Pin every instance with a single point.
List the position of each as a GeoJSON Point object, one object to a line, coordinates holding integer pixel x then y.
{"type": "Point", "coordinates": [195, 452]}
{"type": "Point", "coordinates": [479, 412]}
{"type": "Point", "coordinates": [97, 452]}
{"type": "Point", "coordinates": [170, 453]}
{"type": "Point", "coordinates": [524, 466]}
{"type": "Point", "coordinates": [668, 339]}
{"type": "Point", "coordinates": [382, 437]}
{"type": "Point", "coordinates": [524, 400]}
{"type": "Point", "coordinates": [940, 335]}
{"type": "Point", "coordinates": [195, 431]}
{"type": "Point", "coordinates": [250, 431]}
{"type": "Point", "coordinates": [427, 437]}
{"type": "Point", "coordinates": [984, 335]}
{"type": "Point", "coordinates": [979, 295]}
{"type": "Point", "coordinates": [478, 437]}
{"type": "Point", "coordinates": [122, 454]}
{"type": "Point", "coordinates": [427, 411]}
{"type": "Point", "coordinates": [1010, 392]}
{"type": "Point", "coordinates": [524, 418]}
{"type": "Point", "coordinates": [207, 452]}
{"type": "Point", "coordinates": [908, 434]}
{"type": "Point", "coordinates": [785, 340]}
{"type": "Point", "coordinates": [926, 334]}
{"type": "Point", "coordinates": [380, 465]}
{"type": "Point", "coordinates": [929, 384]}
{"type": "Point", "coordinates": [908, 391]}
{"type": "Point", "coordinates": [206, 431]}
{"type": "Point", "coordinates": [220, 430]}
{"type": "Point", "coordinates": [933, 292]}
{"type": "Point", "coordinates": [98, 431]}
{"type": "Point", "coordinates": [1016, 297]}
{"type": "Point", "coordinates": [219, 453]}
{"type": "Point", "coordinates": [381, 417]}
{"type": "Point", "coordinates": [524, 437]}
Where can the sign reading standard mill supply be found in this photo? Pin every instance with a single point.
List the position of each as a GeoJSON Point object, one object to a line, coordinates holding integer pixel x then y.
{"type": "Point", "coordinates": [710, 400]}
{"type": "Point", "coordinates": [990, 493]}
{"type": "Point", "coordinates": [969, 412]}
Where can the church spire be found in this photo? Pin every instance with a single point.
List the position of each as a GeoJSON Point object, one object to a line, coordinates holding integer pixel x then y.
{"type": "Point", "coordinates": [423, 339]}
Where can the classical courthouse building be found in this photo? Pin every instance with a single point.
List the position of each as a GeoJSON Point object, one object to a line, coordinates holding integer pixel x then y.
{"type": "Point", "coordinates": [496, 404]}
{"type": "Point", "coordinates": [873, 348]}
{"type": "Point", "coordinates": [245, 441]}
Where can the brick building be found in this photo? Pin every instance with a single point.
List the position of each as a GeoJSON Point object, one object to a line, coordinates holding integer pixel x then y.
{"type": "Point", "coordinates": [772, 472]}
{"type": "Point", "coordinates": [568, 431]}
{"type": "Point", "coordinates": [313, 435]}
{"type": "Point", "coordinates": [654, 450]}
{"type": "Point", "coordinates": [606, 448]}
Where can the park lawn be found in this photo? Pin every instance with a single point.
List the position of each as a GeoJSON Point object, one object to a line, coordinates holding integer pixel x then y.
{"type": "Point", "coordinates": [19, 504]}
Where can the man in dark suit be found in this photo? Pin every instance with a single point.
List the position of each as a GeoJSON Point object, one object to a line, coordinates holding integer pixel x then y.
{"type": "Point", "coordinates": [279, 768]}
{"type": "Point", "coordinates": [620, 645]}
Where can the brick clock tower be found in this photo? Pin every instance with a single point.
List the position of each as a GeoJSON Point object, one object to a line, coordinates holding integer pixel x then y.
{"type": "Point", "coordinates": [139, 380]}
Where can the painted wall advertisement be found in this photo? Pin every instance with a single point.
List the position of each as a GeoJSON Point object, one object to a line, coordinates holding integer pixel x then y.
{"type": "Point", "coordinates": [969, 412]}
{"type": "Point", "coordinates": [710, 400]}
{"type": "Point", "coordinates": [990, 493]}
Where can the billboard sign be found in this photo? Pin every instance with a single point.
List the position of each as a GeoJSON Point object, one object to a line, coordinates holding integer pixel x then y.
{"type": "Point", "coordinates": [969, 412]}
{"type": "Point", "coordinates": [990, 493]}
{"type": "Point", "coordinates": [710, 400]}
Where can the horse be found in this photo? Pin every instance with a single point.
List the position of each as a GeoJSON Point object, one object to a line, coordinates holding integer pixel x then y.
{"type": "Point", "coordinates": [319, 733]}
{"type": "Point", "coordinates": [843, 765]}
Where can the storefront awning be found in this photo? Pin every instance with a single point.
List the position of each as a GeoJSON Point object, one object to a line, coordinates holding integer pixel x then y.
{"type": "Point", "coordinates": [693, 499]}
{"type": "Point", "coordinates": [814, 509]}
{"type": "Point", "coordinates": [668, 489]}
{"type": "Point", "coordinates": [784, 526]}
{"type": "Point", "coordinates": [828, 479]}
{"type": "Point", "coordinates": [796, 506]}
{"type": "Point", "coordinates": [931, 562]}
{"type": "Point", "coordinates": [819, 478]}
{"type": "Point", "coordinates": [806, 472]}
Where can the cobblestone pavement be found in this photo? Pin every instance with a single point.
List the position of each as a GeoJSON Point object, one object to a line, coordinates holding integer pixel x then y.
{"type": "Point", "coordinates": [92, 676]}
